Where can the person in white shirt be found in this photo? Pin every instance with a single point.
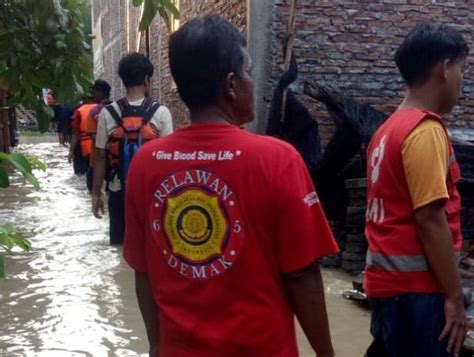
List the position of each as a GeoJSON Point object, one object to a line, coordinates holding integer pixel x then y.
{"type": "Point", "coordinates": [135, 70]}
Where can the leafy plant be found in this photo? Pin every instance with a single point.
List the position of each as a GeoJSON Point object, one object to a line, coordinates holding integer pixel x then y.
{"type": "Point", "coordinates": [165, 8]}
{"type": "Point", "coordinates": [23, 164]}
{"type": "Point", "coordinates": [44, 44]}
{"type": "Point", "coordinates": [9, 236]}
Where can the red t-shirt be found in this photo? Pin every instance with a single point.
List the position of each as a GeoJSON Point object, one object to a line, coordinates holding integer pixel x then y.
{"type": "Point", "coordinates": [215, 215]}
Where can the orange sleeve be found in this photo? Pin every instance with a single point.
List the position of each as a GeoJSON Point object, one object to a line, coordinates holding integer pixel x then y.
{"type": "Point", "coordinates": [425, 156]}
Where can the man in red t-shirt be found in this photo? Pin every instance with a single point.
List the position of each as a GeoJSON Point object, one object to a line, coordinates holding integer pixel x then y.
{"type": "Point", "coordinates": [224, 228]}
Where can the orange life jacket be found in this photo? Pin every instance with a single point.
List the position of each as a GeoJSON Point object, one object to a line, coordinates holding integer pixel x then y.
{"type": "Point", "coordinates": [396, 263]}
{"type": "Point", "coordinates": [92, 123]}
{"type": "Point", "coordinates": [133, 130]}
{"type": "Point", "coordinates": [85, 139]}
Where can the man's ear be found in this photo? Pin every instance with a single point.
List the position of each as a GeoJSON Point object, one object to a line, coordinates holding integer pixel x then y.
{"type": "Point", "coordinates": [443, 68]}
{"type": "Point", "coordinates": [147, 85]}
{"type": "Point", "coordinates": [229, 86]}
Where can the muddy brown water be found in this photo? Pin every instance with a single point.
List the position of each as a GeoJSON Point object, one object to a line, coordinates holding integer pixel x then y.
{"type": "Point", "coordinates": [73, 295]}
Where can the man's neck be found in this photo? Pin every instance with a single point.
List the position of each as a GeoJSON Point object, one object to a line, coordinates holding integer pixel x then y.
{"type": "Point", "coordinates": [135, 93]}
{"type": "Point", "coordinates": [421, 98]}
{"type": "Point", "coordinates": [211, 114]}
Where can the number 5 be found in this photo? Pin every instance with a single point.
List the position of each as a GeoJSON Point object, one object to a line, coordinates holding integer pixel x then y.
{"type": "Point", "coordinates": [237, 226]}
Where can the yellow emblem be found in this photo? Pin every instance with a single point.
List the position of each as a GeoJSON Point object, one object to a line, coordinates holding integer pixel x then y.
{"type": "Point", "coordinates": [195, 225]}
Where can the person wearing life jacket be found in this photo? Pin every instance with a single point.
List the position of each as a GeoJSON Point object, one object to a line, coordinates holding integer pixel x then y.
{"type": "Point", "coordinates": [81, 140]}
{"type": "Point", "coordinates": [100, 94]}
{"type": "Point", "coordinates": [123, 127]}
{"type": "Point", "coordinates": [413, 215]}
{"type": "Point", "coordinates": [79, 154]}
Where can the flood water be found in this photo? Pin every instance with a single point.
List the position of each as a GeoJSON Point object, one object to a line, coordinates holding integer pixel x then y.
{"type": "Point", "coordinates": [73, 295]}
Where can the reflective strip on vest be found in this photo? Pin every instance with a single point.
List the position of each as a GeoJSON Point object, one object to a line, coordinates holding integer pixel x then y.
{"type": "Point", "coordinates": [401, 263]}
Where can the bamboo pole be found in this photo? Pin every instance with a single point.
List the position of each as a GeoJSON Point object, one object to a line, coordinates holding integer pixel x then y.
{"type": "Point", "coordinates": [289, 51]}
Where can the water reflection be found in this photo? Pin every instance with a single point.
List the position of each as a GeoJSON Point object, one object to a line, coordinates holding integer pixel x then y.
{"type": "Point", "coordinates": [74, 296]}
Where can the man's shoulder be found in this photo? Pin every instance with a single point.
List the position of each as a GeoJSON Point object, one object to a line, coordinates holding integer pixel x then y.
{"type": "Point", "coordinates": [106, 110]}
{"type": "Point", "coordinates": [415, 118]}
{"type": "Point", "coordinates": [161, 112]}
{"type": "Point", "coordinates": [429, 123]}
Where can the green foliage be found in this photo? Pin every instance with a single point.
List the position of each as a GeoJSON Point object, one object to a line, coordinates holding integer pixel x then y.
{"type": "Point", "coordinates": [165, 8]}
{"type": "Point", "coordinates": [10, 238]}
{"type": "Point", "coordinates": [44, 44]}
{"type": "Point", "coordinates": [23, 164]}
{"type": "Point", "coordinates": [35, 162]}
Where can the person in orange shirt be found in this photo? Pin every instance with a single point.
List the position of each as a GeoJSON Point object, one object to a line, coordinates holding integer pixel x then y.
{"type": "Point", "coordinates": [413, 216]}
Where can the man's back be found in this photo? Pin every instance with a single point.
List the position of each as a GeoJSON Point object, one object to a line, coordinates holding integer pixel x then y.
{"type": "Point", "coordinates": [222, 214]}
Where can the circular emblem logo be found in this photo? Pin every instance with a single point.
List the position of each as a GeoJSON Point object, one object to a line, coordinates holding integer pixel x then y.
{"type": "Point", "coordinates": [197, 224]}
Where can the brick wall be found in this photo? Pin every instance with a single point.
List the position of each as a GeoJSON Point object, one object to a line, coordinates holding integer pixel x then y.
{"type": "Point", "coordinates": [118, 39]}
{"type": "Point", "coordinates": [233, 10]}
{"type": "Point", "coordinates": [349, 46]}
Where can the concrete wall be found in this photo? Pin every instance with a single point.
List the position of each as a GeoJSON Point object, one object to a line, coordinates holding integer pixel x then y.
{"type": "Point", "coordinates": [260, 14]}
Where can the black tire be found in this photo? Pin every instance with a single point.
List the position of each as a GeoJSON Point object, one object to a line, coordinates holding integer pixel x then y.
{"type": "Point", "coordinates": [466, 190]}
{"type": "Point", "coordinates": [468, 234]}
{"type": "Point", "coordinates": [332, 261]}
{"type": "Point", "coordinates": [354, 230]}
{"type": "Point", "coordinates": [356, 192]}
{"type": "Point", "coordinates": [356, 216]}
{"type": "Point", "coordinates": [355, 238]}
{"type": "Point", "coordinates": [353, 267]}
{"type": "Point", "coordinates": [356, 247]}
{"type": "Point", "coordinates": [464, 156]}
{"type": "Point", "coordinates": [353, 257]}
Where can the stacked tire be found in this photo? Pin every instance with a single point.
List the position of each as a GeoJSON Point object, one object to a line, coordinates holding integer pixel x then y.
{"type": "Point", "coordinates": [465, 158]}
{"type": "Point", "coordinates": [355, 249]}
{"type": "Point", "coordinates": [334, 261]}
{"type": "Point", "coordinates": [466, 190]}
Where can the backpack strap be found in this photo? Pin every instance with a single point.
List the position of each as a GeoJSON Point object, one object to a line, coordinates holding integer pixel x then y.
{"type": "Point", "coordinates": [147, 103]}
{"type": "Point", "coordinates": [117, 118]}
{"type": "Point", "coordinates": [151, 111]}
{"type": "Point", "coordinates": [123, 104]}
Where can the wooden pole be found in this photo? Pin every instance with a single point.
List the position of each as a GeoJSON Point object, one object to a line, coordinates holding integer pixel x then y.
{"type": "Point", "coordinates": [289, 51]}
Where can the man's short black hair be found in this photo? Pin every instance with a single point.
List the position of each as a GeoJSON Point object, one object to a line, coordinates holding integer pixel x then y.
{"type": "Point", "coordinates": [102, 86]}
{"type": "Point", "coordinates": [134, 68]}
{"type": "Point", "coordinates": [425, 46]}
{"type": "Point", "coordinates": [201, 54]}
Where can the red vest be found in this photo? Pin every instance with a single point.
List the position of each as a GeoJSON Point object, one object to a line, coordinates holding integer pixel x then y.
{"type": "Point", "coordinates": [395, 260]}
